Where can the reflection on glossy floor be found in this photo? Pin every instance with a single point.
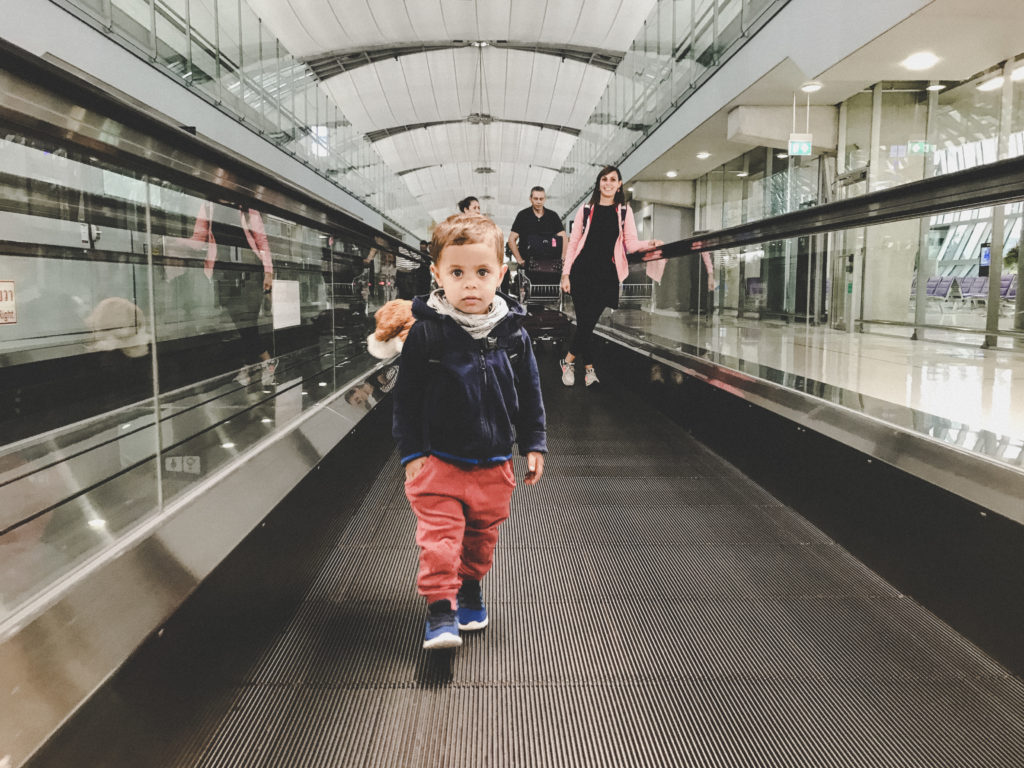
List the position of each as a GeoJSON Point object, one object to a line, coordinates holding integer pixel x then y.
{"type": "Point", "coordinates": [960, 382]}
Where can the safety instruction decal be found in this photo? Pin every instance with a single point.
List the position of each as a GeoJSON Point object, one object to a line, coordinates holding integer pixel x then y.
{"type": "Point", "coordinates": [8, 309]}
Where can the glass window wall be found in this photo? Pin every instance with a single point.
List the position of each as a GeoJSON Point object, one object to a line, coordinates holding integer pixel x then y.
{"type": "Point", "coordinates": [966, 125]}
{"type": "Point", "coordinates": [151, 336]}
{"type": "Point", "coordinates": [221, 48]}
{"type": "Point", "coordinates": [923, 130]}
{"type": "Point", "coordinates": [682, 41]}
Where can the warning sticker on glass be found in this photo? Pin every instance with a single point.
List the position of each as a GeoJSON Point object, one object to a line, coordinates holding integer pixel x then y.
{"type": "Point", "coordinates": [8, 309]}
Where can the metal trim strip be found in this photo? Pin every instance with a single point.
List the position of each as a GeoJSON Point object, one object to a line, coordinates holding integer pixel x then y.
{"type": "Point", "coordinates": [996, 183]}
{"type": "Point", "coordinates": [56, 651]}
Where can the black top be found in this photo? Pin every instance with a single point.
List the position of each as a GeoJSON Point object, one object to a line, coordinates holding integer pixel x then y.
{"type": "Point", "coordinates": [593, 277]}
{"type": "Point", "coordinates": [527, 223]}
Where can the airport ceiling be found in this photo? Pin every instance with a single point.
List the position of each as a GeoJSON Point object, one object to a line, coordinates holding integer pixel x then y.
{"type": "Point", "coordinates": [486, 98]}
{"type": "Point", "coordinates": [462, 97]}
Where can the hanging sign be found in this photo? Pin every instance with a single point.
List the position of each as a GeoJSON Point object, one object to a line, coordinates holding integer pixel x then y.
{"type": "Point", "coordinates": [799, 144]}
{"type": "Point", "coordinates": [8, 309]}
{"type": "Point", "coordinates": [919, 147]}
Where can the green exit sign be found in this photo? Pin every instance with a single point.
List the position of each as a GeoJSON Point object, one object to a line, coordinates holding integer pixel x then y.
{"type": "Point", "coordinates": [799, 144]}
{"type": "Point", "coordinates": [916, 147]}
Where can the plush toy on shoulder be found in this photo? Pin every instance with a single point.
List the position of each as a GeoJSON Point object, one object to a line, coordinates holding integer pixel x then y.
{"type": "Point", "coordinates": [394, 320]}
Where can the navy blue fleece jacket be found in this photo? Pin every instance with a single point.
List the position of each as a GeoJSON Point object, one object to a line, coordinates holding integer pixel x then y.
{"type": "Point", "coordinates": [467, 400]}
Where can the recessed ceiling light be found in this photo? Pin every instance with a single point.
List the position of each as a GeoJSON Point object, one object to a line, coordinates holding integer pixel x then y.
{"type": "Point", "coordinates": [479, 43]}
{"type": "Point", "coordinates": [920, 60]}
{"type": "Point", "coordinates": [703, 155]}
{"type": "Point", "coordinates": [671, 174]}
{"type": "Point", "coordinates": [629, 189]}
{"type": "Point", "coordinates": [991, 85]}
{"type": "Point", "coordinates": [811, 86]}
{"type": "Point", "coordinates": [935, 87]}
{"type": "Point", "coordinates": [782, 155]}
{"type": "Point", "coordinates": [742, 174]}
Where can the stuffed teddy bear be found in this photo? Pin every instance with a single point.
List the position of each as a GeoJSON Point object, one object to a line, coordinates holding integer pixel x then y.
{"type": "Point", "coordinates": [394, 320]}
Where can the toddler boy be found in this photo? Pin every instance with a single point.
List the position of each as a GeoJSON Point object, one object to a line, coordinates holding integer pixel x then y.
{"type": "Point", "coordinates": [468, 388]}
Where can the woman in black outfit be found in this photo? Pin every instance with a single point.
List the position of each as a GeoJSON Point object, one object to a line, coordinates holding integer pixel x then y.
{"type": "Point", "coordinates": [603, 232]}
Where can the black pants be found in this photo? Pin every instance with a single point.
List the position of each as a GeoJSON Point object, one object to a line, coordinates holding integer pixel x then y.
{"type": "Point", "coordinates": [242, 298]}
{"type": "Point", "coordinates": [588, 312]}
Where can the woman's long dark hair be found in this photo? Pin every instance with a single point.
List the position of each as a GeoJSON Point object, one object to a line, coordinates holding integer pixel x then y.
{"type": "Point", "coordinates": [464, 203]}
{"type": "Point", "coordinates": [595, 198]}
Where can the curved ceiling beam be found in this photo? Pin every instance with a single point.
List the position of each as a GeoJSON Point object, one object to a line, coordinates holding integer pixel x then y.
{"type": "Point", "coordinates": [326, 65]}
{"type": "Point", "coordinates": [475, 118]}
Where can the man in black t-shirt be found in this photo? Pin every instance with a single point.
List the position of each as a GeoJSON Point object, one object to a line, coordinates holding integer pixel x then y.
{"type": "Point", "coordinates": [540, 233]}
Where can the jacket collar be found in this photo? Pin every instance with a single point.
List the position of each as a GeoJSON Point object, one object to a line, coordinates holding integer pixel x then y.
{"type": "Point", "coordinates": [508, 324]}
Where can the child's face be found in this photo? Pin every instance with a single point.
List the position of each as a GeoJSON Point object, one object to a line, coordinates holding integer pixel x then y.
{"type": "Point", "coordinates": [470, 275]}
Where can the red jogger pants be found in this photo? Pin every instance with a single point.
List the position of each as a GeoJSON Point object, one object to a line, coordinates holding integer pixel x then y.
{"type": "Point", "coordinates": [458, 511]}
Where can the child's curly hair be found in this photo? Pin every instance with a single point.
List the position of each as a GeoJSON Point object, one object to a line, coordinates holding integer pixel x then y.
{"type": "Point", "coordinates": [466, 229]}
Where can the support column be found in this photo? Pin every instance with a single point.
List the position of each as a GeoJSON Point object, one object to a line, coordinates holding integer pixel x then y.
{"type": "Point", "coordinates": [995, 270]}
{"type": "Point", "coordinates": [923, 263]}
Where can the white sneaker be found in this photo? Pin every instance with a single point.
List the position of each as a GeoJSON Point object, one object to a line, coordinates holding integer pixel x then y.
{"type": "Point", "coordinates": [243, 376]}
{"type": "Point", "coordinates": [590, 377]}
{"type": "Point", "coordinates": [267, 370]}
{"type": "Point", "coordinates": [568, 372]}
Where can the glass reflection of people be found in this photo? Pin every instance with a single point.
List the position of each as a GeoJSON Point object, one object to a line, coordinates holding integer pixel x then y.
{"type": "Point", "coordinates": [121, 342]}
{"type": "Point", "coordinates": [370, 392]}
{"type": "Point", "coordinates": [408, 277]}
{"type": "Point", "coordinates": [240, 290]}
{"type": "Point", "coordinates": [389, 276]}
{"type": "Point", "coordinates": [377, 266]}
{"type": "Point", "coordinates": [423, 273]}
{"type": "Point", "coordinates": [362, 396]}
{"type": "Point", "coordinates": [709, 298]}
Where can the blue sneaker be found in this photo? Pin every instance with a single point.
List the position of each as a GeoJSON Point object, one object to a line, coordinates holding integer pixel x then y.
{"type": "Point", "coordinates": [442, 630]}
{"type": "Point", "coordinates": [472, 611]}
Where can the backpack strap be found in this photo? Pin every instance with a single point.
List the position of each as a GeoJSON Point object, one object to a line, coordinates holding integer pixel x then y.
{"type": "Point", "coordinates": [433, 332]}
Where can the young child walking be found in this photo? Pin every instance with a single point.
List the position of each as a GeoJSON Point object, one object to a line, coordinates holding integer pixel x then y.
{"type": "Point", "coordinates": [468, 389]}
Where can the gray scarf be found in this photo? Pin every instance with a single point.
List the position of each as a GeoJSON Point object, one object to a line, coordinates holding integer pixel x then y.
{"type": "Point", "coordinates": [477, 326]}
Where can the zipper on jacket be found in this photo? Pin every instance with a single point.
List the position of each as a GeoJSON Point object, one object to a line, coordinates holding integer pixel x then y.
{"type": "Point", "coordinates": [487, 427]}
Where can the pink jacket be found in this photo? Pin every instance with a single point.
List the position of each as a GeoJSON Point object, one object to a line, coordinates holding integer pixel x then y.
{"type": "Point", "coordinates": [254, 233]}
{"type": "Point", "coordinates": [627, 242]}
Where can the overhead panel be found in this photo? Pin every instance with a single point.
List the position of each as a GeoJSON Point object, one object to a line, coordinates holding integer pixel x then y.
{"type": "Point", "coordinates": [332, 63]}
{"type": "Point", "coordinates": [438, 106]}
{"type": "Point", "coordinates": [504, 84]}
{"type": "Point", "coordinates": [504, 142]}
